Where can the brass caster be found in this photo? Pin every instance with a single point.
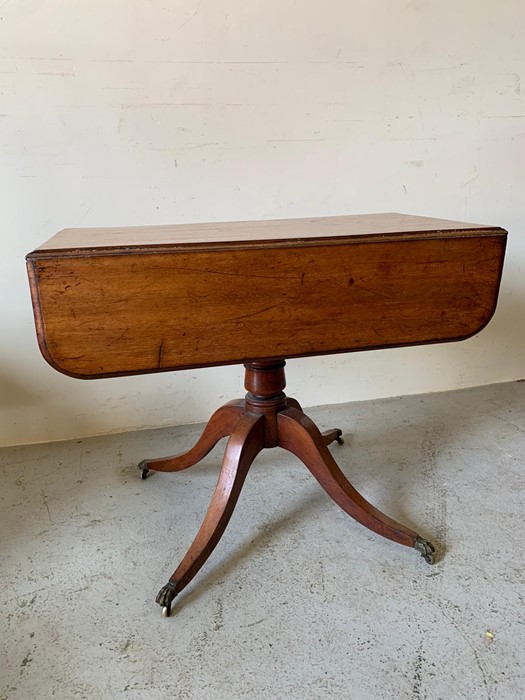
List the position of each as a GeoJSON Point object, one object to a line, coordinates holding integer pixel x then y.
{"type": "Point", "coordinates": [144, 471]}
{"type": "Point", "coordinates": [426, 549]}
{"type": "Point", "coordinates": [339, 438]}
{"type": "Point", "coordinates": [165, 597]}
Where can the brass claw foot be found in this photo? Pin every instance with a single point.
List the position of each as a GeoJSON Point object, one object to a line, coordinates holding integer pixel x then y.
{"type": "Point", "coordinates": [426, 549]}
{"type": "Point", "coordinates": [143, 467]}
{"type": "Point", "coordinates": [165, 598]}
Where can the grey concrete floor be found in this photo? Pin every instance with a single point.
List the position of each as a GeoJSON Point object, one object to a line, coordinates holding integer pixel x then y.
{"type": "Point", "coordinates": [298, 601]}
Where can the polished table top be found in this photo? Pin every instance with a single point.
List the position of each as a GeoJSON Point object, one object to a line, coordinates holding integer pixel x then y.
{"type": "Point", "coordinates": [234, 233]}
{"type": "Point", "coordinates": [119, 301]}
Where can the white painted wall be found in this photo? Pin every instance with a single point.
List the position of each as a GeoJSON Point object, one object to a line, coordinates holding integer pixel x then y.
{"type": "Point", "coordinates": [122, 112]}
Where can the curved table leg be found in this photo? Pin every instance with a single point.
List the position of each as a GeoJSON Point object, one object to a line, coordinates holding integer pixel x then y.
{"type": "Point", "coordinates": [293, 403]}
{"type": "Point", "coordinates": [299, 435]}
{"type": "Point", "coordinates": [331, 435]}
{"type": "Point", "coordinates": [245, 442]}
{"type": "Point", "coordinates": [328, 435]}
{"type": "Point", "coordinates": [221, 424]}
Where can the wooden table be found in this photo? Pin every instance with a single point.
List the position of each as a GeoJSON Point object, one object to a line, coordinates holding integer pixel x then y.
{"type": "Point", "coordinates": [123, 301]}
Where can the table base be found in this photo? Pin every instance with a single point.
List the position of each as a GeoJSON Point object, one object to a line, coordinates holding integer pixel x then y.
{"type": "Point", "coordinates": [266, 417]}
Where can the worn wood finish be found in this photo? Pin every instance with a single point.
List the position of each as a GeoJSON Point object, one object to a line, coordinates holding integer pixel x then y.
{"type": "Point", "coordinates": [126, 312]}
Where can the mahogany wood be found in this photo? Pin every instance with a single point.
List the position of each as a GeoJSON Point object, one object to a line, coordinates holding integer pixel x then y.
{"type": "Point", "coordinates": [244, 444]}
{"type": "Point", "coordinates": [120, 310]}
{"type": "Point", "coordinates": [214, 235]}
{"type": "Point", "coordinates": [220, 425]}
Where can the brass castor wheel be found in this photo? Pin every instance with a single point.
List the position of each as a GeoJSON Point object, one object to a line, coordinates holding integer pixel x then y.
{"type": "Point", "coordinates": [144, 471]}
{"type": "Point", "coordinates": [426, 549]}
{"type": "Point", "coordinates": [165, 598]}
{"type": "Point", "coordinates": [339, 438]}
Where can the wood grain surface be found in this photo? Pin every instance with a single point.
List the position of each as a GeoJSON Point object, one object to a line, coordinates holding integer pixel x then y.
{"type": "Point", "coordinates": [134, 312]}
{"type": "Point", "coordinates": [260, 232]}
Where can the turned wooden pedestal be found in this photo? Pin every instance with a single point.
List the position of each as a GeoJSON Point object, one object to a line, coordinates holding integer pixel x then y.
{"type": "Point", "coordinates": [124, 301]}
